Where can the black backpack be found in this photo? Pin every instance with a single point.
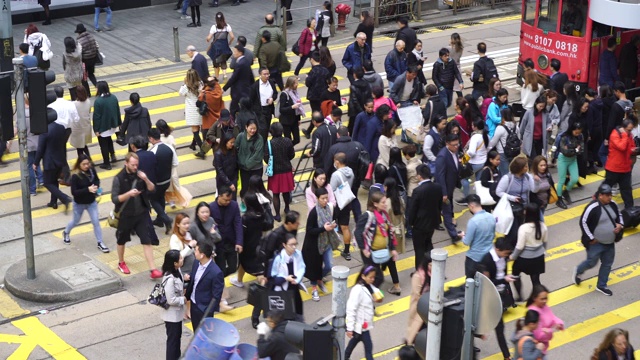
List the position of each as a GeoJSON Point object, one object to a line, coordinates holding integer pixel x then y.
{"type": "Point", "coordinates": [511, 147]}
{"type": "Point", "coordinates": [364, 161]}
{"type": "Point", "coordinates": [490, 70]}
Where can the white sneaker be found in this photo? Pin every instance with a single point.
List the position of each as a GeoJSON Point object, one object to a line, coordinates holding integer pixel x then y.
{"type": "Point", "coordinates": [323, 288]}
{"type": "Point", "coordinates": [315, 296]}
{"type": "Point", "coordinates": [236, 283]}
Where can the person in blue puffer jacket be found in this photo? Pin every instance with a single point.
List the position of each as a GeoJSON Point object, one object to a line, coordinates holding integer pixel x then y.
{"type": "Point", "coordinates": [494, 116]}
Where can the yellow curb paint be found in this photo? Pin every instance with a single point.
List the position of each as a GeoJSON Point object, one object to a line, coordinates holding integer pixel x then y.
{"type": "Point", "coordinates": [36, 334]}
{"type": "Point", "coordinates": [9, 308]}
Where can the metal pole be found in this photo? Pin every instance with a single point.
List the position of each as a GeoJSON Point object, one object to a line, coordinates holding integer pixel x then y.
{"type": "Point", "coordinates": [333, 26]}
{"type": "Point", "coordinates": [467, 341]}
{"type": "Point", "coordinates": [339, 305]}
{"type": "Point", "coordinates": [24, 171]}
{"type": "Point", "coordinates": [436, 303]}
{"type": "Point", "coordinates": [176, 44]}
{"type": "Point", "coordinates": [6, 36]}
{"type": "Point", "coordinates": [376, 13]}
{"type": "Point", "coordinates": [284, 22]}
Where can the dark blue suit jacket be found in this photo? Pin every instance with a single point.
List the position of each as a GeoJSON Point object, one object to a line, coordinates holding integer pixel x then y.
{"type": "Point", "coordinates": [200, 65]}
{"type": "Point", "coordinates": [446, 172]}
{"type": "Point", "coordinates": [241, 80]}
{"type": "Point", "coordinates": [209, 287]}
{"type": "Point", "coordinates": [147, 163]}
{"type": "Point", "coordinates": [52, 148]}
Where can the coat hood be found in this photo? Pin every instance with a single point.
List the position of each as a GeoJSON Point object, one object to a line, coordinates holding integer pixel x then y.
{"type": "Point", "coordinates": [134, 111]}
{"type": "Point", "coordinates": [347, 172]}
{"type": "Point", "coordinates": [519, 334]}
{"type": "Point", "coordinates": [362, 84]}
{"type": "Point", "coordinates": [370, 76]}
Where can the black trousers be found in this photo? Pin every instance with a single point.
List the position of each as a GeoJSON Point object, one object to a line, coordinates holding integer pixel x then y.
{"type": "Point", "coordinates": [227, 260]}
{"type": "Point", "coordinates": [197, 316]}
{"type": "Point", "coordinates": [275, 75]}
{"type": "Point", "coordinates": [624, 180]}
{"type": "Point", "coordinates": [90, 67]}
{"type": "Point", "coordinates": [195, 14]}
{"type": "Point", "coordinates": [158, 203]}
{"type": "Point", "coordinates": [174, 333]}
{"type": "Point", "coordinates": [264, 123]}
{"type": "Point", "coordinates": [245, 175]}
{"type": "Point", "coordinates": [470, 267]}
{"type": "Point", "coordinates": [422, 244]}
{"type": "Point", "coordinates": [292, 132]}
{"type": "Point", "coordinates": [502, 342]}
{"type": "Point", "coordinates": [393, 271]}
{"type": "Point", "coordinates": [51, 183]}
{"type": "Point", "coordinates": [106, 148]}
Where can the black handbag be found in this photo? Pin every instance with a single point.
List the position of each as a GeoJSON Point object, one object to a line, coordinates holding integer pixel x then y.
{"type": "Point", "coordinates": [203, 107]}
{"type": "Point", "coordinates": [466, 171]}
{"type": "Point", "coordinates": [42, 64]}
{"type": "Point", "coordinates": [267, 219]}
{"type": "Point", "coordinates": [256, 294]}
{"type": "Point", "coordinates": [157, 296]}
{"type": "Point", "coordinates": [282, 301]}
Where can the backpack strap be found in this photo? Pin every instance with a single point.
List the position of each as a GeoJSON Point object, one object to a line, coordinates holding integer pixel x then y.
{"type": "Point", "coordinates": [521, 344]}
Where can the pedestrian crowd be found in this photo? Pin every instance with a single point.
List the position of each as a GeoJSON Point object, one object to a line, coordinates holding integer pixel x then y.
{"type": "Point", "coordinates": [501, 166]}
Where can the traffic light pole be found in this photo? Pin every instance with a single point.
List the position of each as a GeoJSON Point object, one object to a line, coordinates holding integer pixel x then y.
{"type": "Point", "coordinates": [6, 36]}
{"type": "Point", "coordinates": [436, 303]}
{"type": "Point", "coordinates": [340, 275]}
{"type": "Point", "coordinates": [24, 170]}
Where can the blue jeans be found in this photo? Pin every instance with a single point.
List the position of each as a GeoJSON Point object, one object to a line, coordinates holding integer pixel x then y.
{"type": "Point", "coordinates": [96, 18]}
{"type": "Point", "coordinates": [606, 254]}
{"type": "Point", "coordinates": [446, 96]}
{"type": "Point", "coordinates": [327, 258]}
{"type": "Point", "coordinates": [465, 182]}
{"type": "Point", "coordinates": [504, 164]}
{"type": "Point", "coordinates": [92, 209]}
{"type": "Point", "coordinates": [185, 6]}
{"type": "Point", "coordinates": [33, 175]}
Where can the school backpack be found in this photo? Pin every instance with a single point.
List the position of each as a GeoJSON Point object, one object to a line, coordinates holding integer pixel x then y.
{"type": "Point", "coordinates": [364, 162]}
{"type": "Point", "coordinates": [490, 70]}
{"type": "Point", "coordinates": [511, 147]}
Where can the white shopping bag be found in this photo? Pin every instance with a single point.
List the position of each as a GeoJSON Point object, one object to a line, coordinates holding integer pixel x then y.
{"type": "Point", "coordinates": [503, 215]}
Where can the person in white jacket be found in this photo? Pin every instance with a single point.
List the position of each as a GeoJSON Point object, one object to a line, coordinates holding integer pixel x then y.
{"type": "Point", "coordinates": [173, 283]}
{"type": "Point", "coordinates": [38, 41]}
{"type": "Point", "coordinates": [531, 90]}
{"type": "Point", "coordinates": [360, 311]}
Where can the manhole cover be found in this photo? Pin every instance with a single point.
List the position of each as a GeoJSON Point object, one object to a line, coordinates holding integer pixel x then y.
{"type": "Point", "coordinates": [81, 274]}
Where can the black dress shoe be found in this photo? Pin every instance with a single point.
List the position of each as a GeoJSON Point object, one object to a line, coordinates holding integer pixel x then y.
{"type": "Point", "coordinates": [199, 24]}
{"type": "Point", "coordinates": [105, 166]}
{"type": "Point", "coordinates": [440, 228]}
{"type": "Point", "coordinates": [157, 223]}
{"type": "Point", "coordinates": [192, 25]}
{"type": "Point", "coordinates": [168, 229]}
{"type": "Point", "coordinates": [53, 205]}
{"type": "Point", "coordinates": [254, 323]}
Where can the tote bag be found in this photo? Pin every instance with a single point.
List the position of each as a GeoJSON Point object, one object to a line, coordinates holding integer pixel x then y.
{"type": "Point", "coordinates": [485, 196]}
{"type": "Point", "coordinates": [344, 195]}
{"type": "Point", "coordinates": [504, 215]}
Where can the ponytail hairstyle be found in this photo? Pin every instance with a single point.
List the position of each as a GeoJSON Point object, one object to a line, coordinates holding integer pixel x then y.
{"type": "Point", "coordinates": [531, 317]}
{"type": "Point", "coordinates": [479, 124]}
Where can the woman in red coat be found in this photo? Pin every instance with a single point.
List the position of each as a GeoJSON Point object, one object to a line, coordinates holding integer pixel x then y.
{"type": "Point", "coordinates": [307, 43]}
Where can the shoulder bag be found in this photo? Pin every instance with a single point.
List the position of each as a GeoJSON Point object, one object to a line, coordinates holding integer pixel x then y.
{"type": "Point", "coordinates": [618, 235]}
{"type": "Point", "coordinates": [344, 195]}
{"type": "Point", "coordinates": [484, 192]}
{"type": "Point", "coordinates": [158, 296]}
{"type": "Point", "coordinates": [203, 107]}
{"type": "Point", "coordinates": [403, 192]}
{"type": "Point", "coordinates": [269, 171]}
{"type": "Point", "coordinates": [114, 217]}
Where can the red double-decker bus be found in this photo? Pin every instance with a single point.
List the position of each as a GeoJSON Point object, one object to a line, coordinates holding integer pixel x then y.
{"type": "Point", "coordinates": [567, 30]}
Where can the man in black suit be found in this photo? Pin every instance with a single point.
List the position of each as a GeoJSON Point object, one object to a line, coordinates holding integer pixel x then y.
{"type": "Point", "coordinates": [424, 219]}
{"type": "Point", "coordinates": [447, 167]}
{"type": "Point", "coordinates": [52, 150]}
{"type": "Point", "coordinates": [147, 160]}
{"type": "Point", "coordinates": [241, 80]}
{"type": "Point", "coordinates": [558, 80]}
{"type": "Point", "coordinates": [206, 284]}
{"type": "Point", "coordinates": [166, 160]}
{"type": "Point", "coordinates": [198, 63]}
{"type": "Point", "coordinates": [263, 98]}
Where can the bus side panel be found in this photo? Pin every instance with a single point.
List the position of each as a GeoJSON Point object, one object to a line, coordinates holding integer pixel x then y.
{"type": "Point", "coordinates": [594, 69]}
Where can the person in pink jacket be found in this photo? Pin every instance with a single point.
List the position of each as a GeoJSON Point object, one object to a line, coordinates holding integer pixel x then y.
{"type": "Point", "coordinates": [549, 323]}
{"type": "Point", "coordinates": [319, 180]}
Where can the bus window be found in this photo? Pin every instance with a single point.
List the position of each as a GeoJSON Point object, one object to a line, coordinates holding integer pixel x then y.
{"type": "Point", "coordinates": [529, 15]}
{"type": "Point", "coordinates": [573, 19]}
{"type": "Point", "coordinates": [548, 15]}
{"type": "Point", "coordinates": [601, 30]}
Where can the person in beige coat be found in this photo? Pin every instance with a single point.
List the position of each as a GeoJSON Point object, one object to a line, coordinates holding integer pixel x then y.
{"type": "Point", "coordinates": [173, 282]}
{"type": "Point", "coordinates": [81, 130]}
{"type": "Point", "coordinates": [420, 284]}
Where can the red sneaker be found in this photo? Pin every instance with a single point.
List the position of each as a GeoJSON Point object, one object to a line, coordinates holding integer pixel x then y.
{"type": "Point", "coordinates": [156, 274]}
{"type": "Point", "coordinates": [124, 268]}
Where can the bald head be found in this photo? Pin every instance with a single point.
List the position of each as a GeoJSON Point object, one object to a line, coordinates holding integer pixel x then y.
{"type": "Point", "coordinates": [269, 19]}
{"type": "Point", "coordinates": [400, 45]}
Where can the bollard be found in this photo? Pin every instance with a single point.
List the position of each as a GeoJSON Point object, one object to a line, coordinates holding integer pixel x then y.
{"type": "Point", "coordinates": [176, 45]}
{"type": "Point", "coordinates": [467, 342]}
{"type": "Point", "coordinates": [339, 305]}
{"type": "Point", "coordinates": [436, 303]}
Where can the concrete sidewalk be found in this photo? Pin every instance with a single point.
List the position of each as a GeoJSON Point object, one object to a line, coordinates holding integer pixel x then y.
{"type": "Point", "coordinates": [142, 38]}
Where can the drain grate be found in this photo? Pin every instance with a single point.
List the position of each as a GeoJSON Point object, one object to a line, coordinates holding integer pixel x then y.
{"type": "Point", "coordinates": [422, 31]}
{"type": "Point", "coordinates": [444, 27]}
{"type": "Point", "coordinates": [471, 23]}
{"type": "Point", "coordinates": [391, 35]}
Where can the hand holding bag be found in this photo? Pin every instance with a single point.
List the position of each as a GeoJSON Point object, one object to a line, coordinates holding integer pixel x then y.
{"type": "Point", "coordinates": [484, 193]}
{"type": "Point", "coordinates": [203, 107]}
{"type": "Point", "coordinates": [114, 217]}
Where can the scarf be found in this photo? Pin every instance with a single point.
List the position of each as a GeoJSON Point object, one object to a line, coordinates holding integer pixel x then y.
{"type": "Point", "coordinates": [324, 216]}
{"type": "Point", "coordinates": [381, 221]}
{"type": "Point", "coordinates": [418, 54]}
{"type": "Point", "coordinates": [295, 98]}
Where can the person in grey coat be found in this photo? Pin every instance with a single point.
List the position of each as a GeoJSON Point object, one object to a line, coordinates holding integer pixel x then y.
{"type": "Point", "coordinates": [173, 283]}
{"type": "Point", "coordinates": [137, 120]}
{"type": "Point", "coordinates": [534, 127]}
{"type": "Point", "coordinates": [72, 65]}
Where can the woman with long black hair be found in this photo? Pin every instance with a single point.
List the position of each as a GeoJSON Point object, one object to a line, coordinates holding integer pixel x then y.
{"type": "Point", "coordinates": [324, 20]}
{"type": "Point", "coordinates": [528, 254]}
{"type": "Point", "coordinates": [173, 283]}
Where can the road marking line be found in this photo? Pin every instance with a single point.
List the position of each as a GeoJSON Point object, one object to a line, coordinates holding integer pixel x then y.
{"type": "Point", "coordinates": [37, 334]}
{"type": "Point", "coordinates": [9, 308]}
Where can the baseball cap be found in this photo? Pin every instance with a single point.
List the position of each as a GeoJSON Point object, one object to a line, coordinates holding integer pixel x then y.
{"type": "Point", "coordinates": [225, 115]}
{"type": "Point", "coordinates": [604, 189]}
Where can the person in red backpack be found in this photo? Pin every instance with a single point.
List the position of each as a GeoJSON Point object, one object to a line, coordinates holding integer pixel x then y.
{"type": "Point", "coordinates": [527, 347]}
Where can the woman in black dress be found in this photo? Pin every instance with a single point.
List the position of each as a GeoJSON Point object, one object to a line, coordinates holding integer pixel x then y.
{"type": "Point", "coordinates": [316, 249]}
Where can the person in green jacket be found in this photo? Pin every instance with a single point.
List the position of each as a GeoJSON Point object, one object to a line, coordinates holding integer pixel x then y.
{"type": "Point", "coordinates": [250, 148]}
{"type": "Point", "coordinates": [106, 120]}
